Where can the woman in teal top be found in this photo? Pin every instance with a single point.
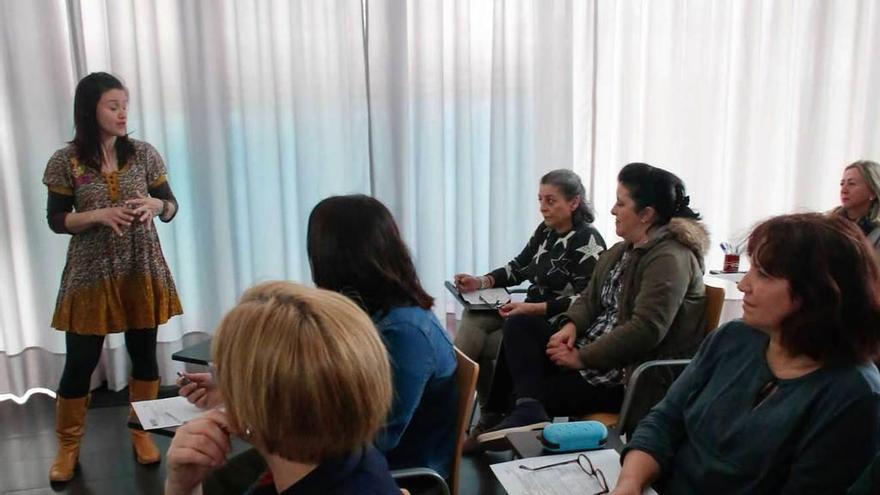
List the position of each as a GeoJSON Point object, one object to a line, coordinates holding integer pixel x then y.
{"type": "Point", "coordinates": [786, 401]}
{"type": "Point", "coordinates": [869, 482]}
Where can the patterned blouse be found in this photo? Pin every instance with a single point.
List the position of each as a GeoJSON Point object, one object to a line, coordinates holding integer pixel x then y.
{"type": "Point", "coordinates": [111, 283]}
{"type": "Point", "coordinates": [604, 323]}
{"type": "Point", "coordinates": [559, 266]}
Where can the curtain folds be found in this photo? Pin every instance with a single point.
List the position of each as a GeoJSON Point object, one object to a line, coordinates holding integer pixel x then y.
{"type": "Point", "coordinates": [447, 111]}
{"type": "Point", "coordinates": [471, 102]}
{"type": "Point", "coordinates": [757, 105]}
{"type": "Point", "coordinates": [259, 109]}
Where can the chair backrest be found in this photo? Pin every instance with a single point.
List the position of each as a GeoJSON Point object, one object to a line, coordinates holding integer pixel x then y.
{"type": "Point", "coordinates": [466, 376]}
{"type": "Point", "coordinates": [626, 419]}
{"type": "Point", "coordinates": [714, 303]}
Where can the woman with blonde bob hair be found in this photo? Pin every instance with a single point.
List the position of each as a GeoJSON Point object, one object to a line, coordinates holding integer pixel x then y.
{"type": "Point", "coordinates": [306, 380]}
{"type": "Point", "coordinates": [355, 249]}
{"type": "Point", "coordinates": [859, 190]}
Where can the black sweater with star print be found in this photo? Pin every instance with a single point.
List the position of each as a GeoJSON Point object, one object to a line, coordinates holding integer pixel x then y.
{"type": "Point", "coordinates": [559, 266]}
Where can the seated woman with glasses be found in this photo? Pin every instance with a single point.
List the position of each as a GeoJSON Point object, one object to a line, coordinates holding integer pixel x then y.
{"type": "Point", "coordinates": [786, 401]}
{"type": "Point", "coordinates": [645, 300]}
{"type": "Point", "coordinates": [355, 248]}
{"type": "Point", "coordinates": [307, 382]}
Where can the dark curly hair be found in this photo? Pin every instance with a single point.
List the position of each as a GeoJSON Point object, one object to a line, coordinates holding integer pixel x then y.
{"type": "Point", "coordinates": [833, 273]}
{"type": "Point", "coordinates": [660, 189]}
{"type": "Point", "coordinates": [570, 185]}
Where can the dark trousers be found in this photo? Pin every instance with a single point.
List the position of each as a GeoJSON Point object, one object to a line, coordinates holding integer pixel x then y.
{"type": "Point", "coordinates": [523, 370]}
{"type": "Point", "coordinates": [84, 351]}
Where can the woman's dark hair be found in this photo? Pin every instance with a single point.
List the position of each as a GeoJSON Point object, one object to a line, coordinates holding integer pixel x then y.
{"type": "Point", "coordinates": [834, 276]}
{"type": "Point", "coordinates": [355, 248]}
{"type": "Point", "coordinates": [570, 185]}
{"type": "Point", "coordinates": [659, 189]}
{"type": "Point", "coordinates": [87, 137]}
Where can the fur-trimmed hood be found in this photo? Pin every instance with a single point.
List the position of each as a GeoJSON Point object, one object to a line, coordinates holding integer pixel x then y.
{"type": "Point", "coordinates": [692, 233]}
{"type": "Point", "coordinates": [688, 232]}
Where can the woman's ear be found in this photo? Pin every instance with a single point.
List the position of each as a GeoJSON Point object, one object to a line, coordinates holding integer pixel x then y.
{"type": "Point", "coordinates": [575, 204]}
{"type": "Point", "coordinates": [648, 215]}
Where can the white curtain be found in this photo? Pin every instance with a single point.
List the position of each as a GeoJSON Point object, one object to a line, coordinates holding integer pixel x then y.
{"type": "Point", "coordinates": [757, 105]}
{"type": "Point", "coordinates": [36, 84]}
{"type": "Point", "coordinates": [448, 111]}
{"type": "Point", "coordinates": [471, 102]}
{"type": "Point", "coordinates": [258, 107]}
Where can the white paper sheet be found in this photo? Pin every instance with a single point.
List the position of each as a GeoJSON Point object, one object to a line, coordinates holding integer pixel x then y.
{"type": "Point", "coordinates": [164, 413]}
{"type": "Point", "coordinates": [488, 296]}
{"type": "Point", "coordinates": [559, 480]}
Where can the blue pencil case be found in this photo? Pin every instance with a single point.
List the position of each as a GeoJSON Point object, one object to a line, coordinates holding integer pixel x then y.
{"type": "Point", "coordinates": [574, 436]}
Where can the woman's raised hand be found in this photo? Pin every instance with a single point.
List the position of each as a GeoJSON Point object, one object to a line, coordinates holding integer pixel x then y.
{"type": "Point", "coordinates": [198, 447]}
{"type": "Point", "coordinates": [116, 217]}
{"type": "Point", "coordinates": [522, 308]}
{"type": "Point", "coordinates": [145, 207]}
{"type": "Point", "coordinates": [200, 390]}
{"type": "Point", "coordinates": [626, 490]}
{"type": "Point", "coordinates": [466, 282]}
{"type": "Point", "coordinates": [566, 337]}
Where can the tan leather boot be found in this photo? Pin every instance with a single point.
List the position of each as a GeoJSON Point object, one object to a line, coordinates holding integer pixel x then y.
{"type": "Point", "coordinates": [144, 448]}
{"type": "Point", "coordinates": [70, 421]}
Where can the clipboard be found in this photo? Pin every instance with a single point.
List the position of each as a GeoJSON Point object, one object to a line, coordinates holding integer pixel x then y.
{"type": "Point", "coordinates": [480, 300]}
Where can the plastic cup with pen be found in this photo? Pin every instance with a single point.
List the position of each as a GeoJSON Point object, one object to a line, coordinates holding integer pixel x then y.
{"type": "Point", "coordinates": [731, 256]}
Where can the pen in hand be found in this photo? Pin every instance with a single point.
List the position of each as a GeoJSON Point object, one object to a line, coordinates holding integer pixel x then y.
{"type": "Point", "coordinates": [184, 381]}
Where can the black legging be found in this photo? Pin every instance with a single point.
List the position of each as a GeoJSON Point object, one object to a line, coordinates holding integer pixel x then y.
{"type": "Point", "coordinates": [524, 370]}
{"type": "Point", "coordinates": [84, 351]}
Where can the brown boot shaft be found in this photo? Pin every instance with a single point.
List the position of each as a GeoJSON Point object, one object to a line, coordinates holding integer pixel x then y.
{"type": "Point", "coordinates": [144, 448]}
{"type": "Point", "coordinates": [70, 421]}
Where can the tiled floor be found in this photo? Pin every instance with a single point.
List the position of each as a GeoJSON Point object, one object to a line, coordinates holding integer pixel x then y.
{"type": "Point", "coordinates": [107, 464]}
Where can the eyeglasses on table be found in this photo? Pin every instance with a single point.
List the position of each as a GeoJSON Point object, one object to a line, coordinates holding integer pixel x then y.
{"type": "Point", "coordinates": [586, 466]}
{"type": "Point", "coordinates": [492, 304]}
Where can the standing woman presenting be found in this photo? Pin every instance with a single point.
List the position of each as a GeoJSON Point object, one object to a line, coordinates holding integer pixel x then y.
{"type": "Point", "coordinates": [104, 190]}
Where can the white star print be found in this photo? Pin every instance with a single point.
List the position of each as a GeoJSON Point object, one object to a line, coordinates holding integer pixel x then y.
{"type": "Point", "coordinates": [564, 240]}
{"type": "Point", "coordinates": [541, 250]}
{"type": "Point", "coordinates": [590, 249]}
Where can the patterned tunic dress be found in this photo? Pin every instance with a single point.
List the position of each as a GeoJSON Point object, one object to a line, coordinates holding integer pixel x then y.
{"type": "Point", "coordinates": [112, 283]}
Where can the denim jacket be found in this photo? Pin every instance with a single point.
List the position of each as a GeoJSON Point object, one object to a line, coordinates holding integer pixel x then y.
{"type": "Point", "coordinates": [420, 431]}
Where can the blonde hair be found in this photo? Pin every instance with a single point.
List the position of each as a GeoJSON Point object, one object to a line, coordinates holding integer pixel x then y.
{"type": "Point", "coordinates": [303, 371]}
{"type": "Point", "coordinates": [871, 174]}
